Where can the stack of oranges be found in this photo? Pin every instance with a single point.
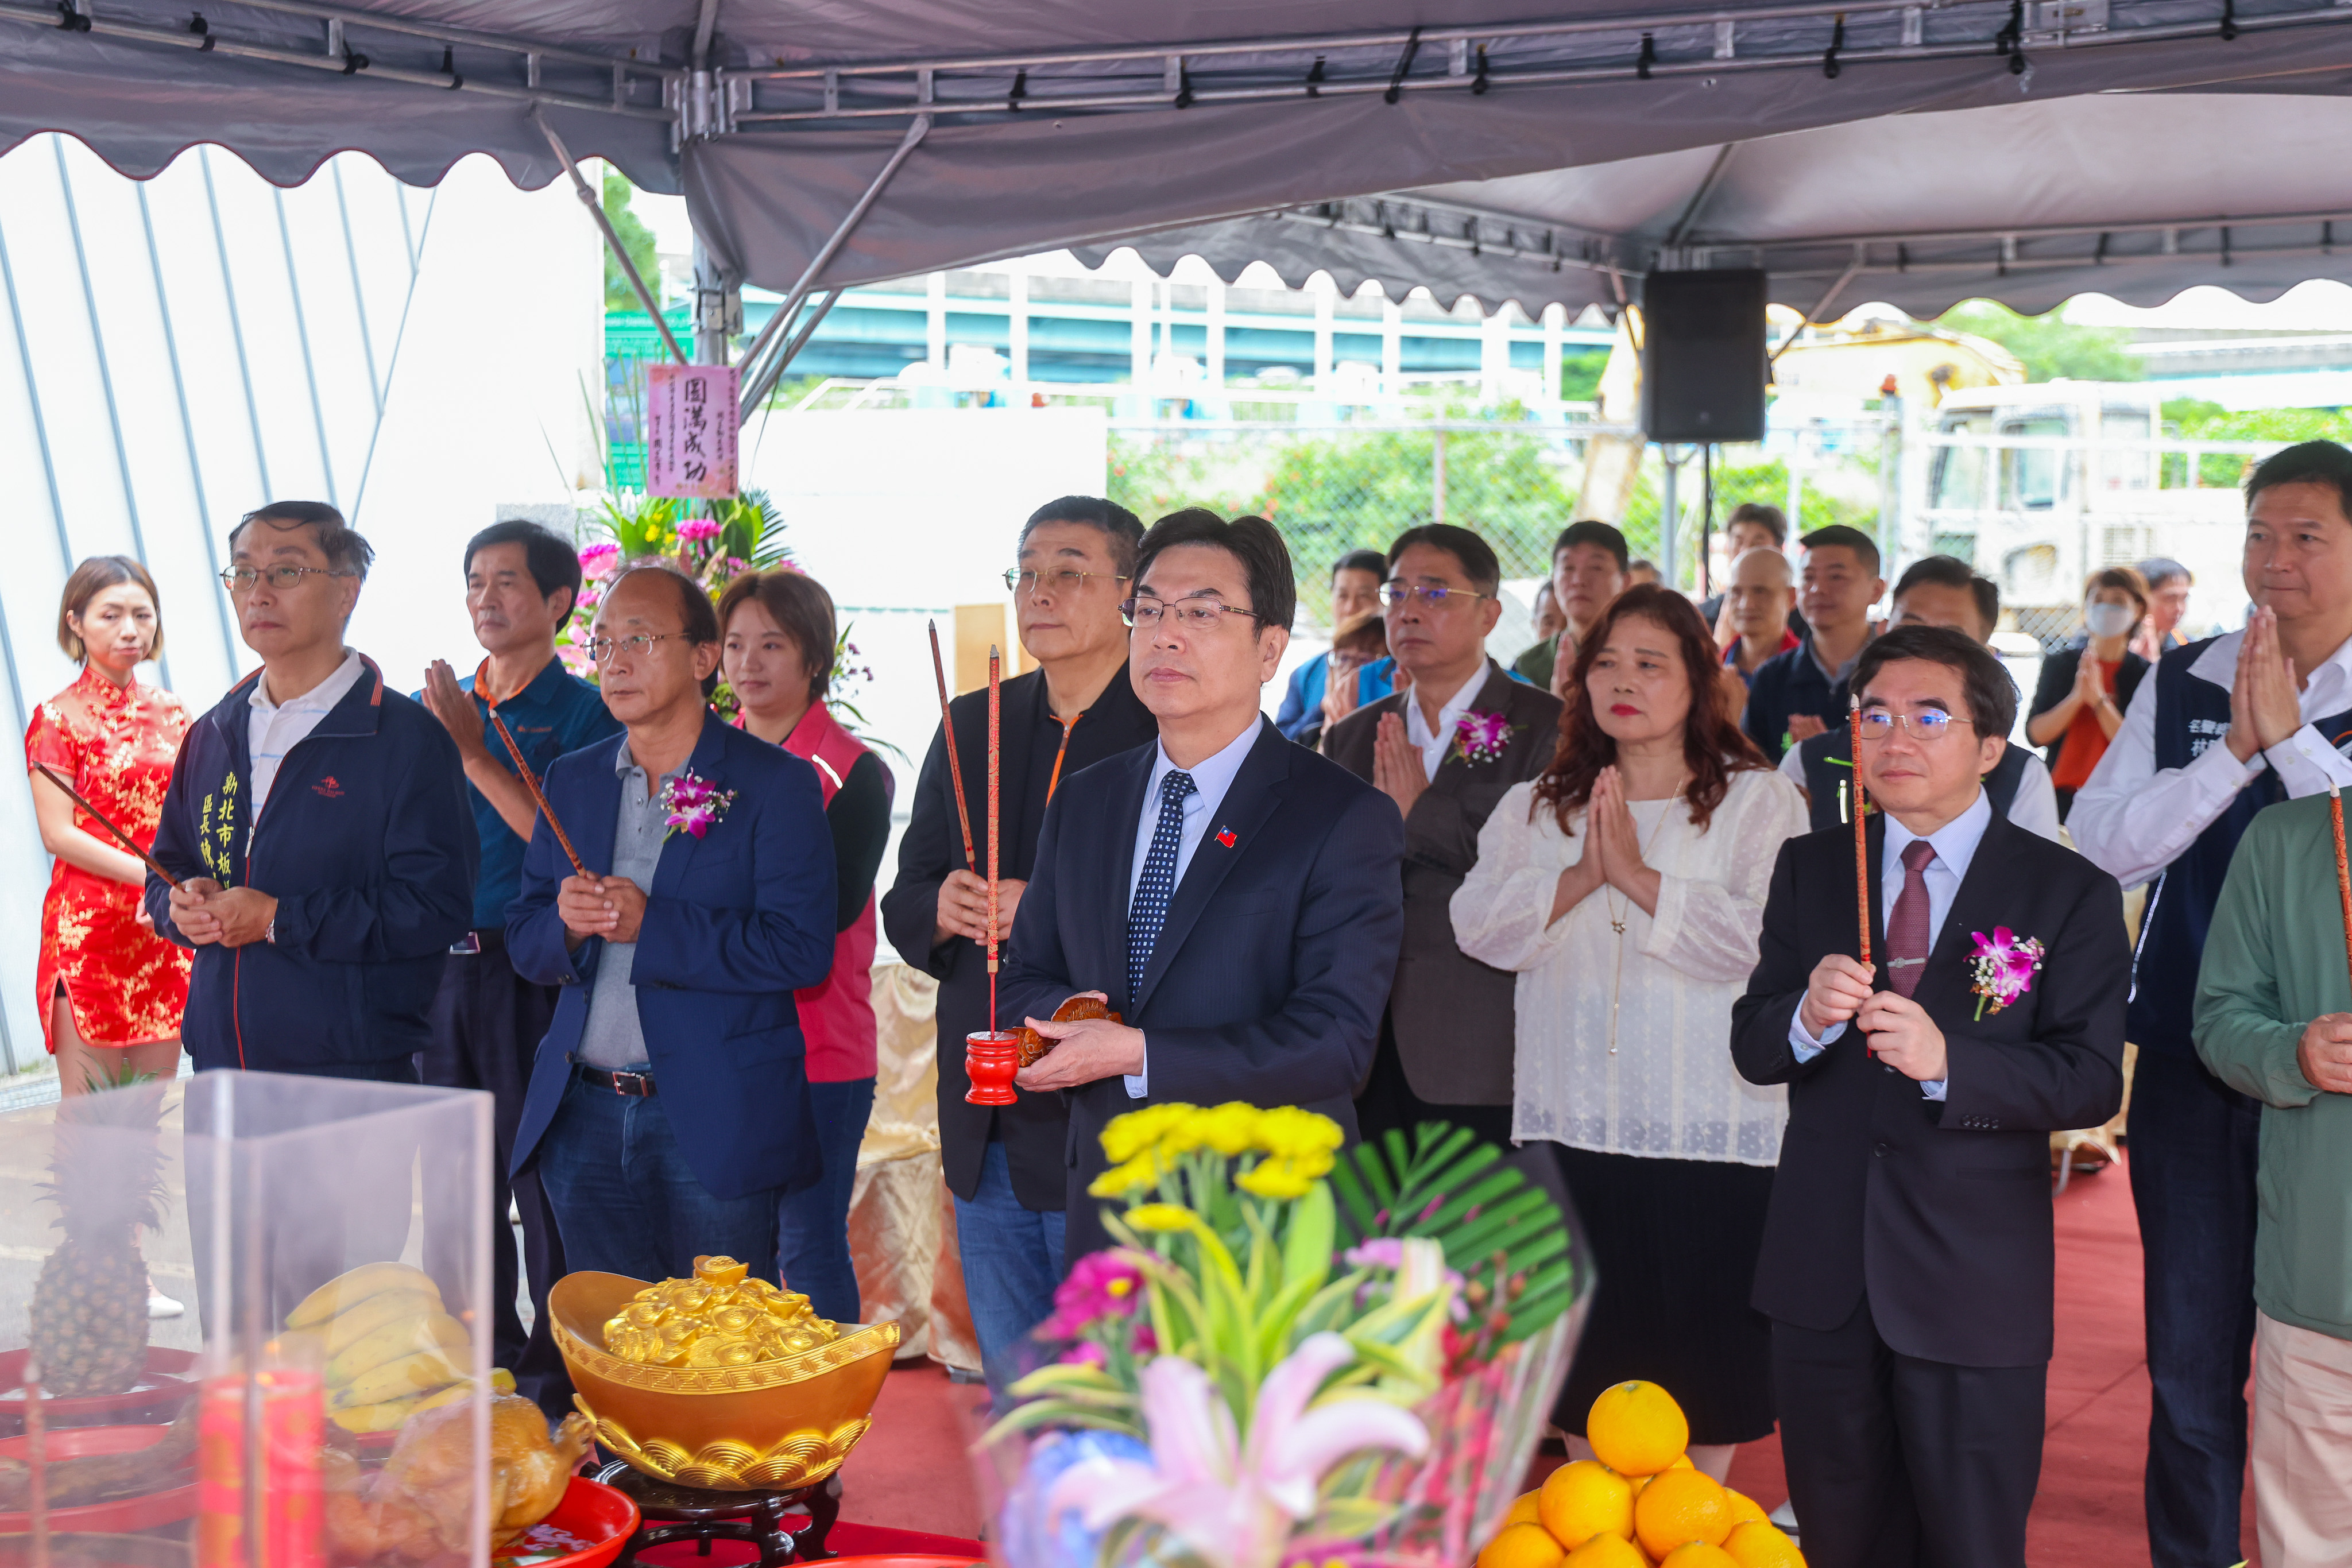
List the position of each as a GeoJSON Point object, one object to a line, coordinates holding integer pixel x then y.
{"type": "Point", "coordinates": [1639, 1503]}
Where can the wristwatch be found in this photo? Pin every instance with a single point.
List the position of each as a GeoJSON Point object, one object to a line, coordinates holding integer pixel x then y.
{"type": "Point", "coordinates": [269, 932]}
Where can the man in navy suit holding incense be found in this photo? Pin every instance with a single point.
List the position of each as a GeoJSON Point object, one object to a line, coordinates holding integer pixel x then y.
{"type": "Point", "coordinates": [1237, 899]}
{"type": "Point", "coordinates": [668, 1106]}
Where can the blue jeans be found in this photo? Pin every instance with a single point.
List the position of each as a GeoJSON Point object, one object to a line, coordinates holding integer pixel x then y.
{"type": "Point", "coordinates": [812, 1224]}
{"type": "Point", "coordinates": [1011, 1261]}
{"type": "Point", "coordinates": [2193, 1141]}
{"type": "Point", "coordinates": [625, 1202]}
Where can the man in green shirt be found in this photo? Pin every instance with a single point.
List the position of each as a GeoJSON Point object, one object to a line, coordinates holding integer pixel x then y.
{"type": "Point", "coordinates": [2274, 1021]}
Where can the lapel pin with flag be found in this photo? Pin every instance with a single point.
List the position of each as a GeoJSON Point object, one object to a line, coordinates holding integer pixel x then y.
{"type": "Point", "coordinates": [1225, 837]}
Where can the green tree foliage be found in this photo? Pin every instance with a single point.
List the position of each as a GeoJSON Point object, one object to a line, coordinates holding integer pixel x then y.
{"type": "Point", "coordinates": [2195, 420]}
{"type": "Point", "coordinates": [1579, 374]}
{"type": "Point", "coordinates": [2049, 345]}
{"type": "Point", "coordinates": [635, 239]}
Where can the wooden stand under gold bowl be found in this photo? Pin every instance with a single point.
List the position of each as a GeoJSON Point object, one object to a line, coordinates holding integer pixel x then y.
{"type": "Point", "coordinates": [768, 1426]}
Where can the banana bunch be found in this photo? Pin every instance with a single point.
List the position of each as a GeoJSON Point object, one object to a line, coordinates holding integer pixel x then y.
{"type": "Point", "coordinates": [390, 1348]}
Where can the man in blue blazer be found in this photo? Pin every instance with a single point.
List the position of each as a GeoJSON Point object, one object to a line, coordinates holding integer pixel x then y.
{"type": "Point", "coordinates": [1237, 899]}
{"type": "Point", "coordinates": [668, 1106]}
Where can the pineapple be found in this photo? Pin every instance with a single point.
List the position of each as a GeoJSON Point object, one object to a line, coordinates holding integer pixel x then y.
{"type": "Point", "coordinates": [89, 1328]}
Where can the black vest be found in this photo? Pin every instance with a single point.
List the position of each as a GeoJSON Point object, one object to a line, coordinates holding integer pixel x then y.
{"type": "Point", "coordinates": [2190, 715]}
{"type": "Point", "coordinates": [1828, 759]}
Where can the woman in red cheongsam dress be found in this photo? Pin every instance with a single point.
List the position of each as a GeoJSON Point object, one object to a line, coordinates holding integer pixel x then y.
{"type": "Point", "coordinates": [111, 990]}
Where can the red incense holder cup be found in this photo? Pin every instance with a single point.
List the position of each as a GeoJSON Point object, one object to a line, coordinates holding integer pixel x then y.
{"type": "Point", "coordinates": [990, 1060]}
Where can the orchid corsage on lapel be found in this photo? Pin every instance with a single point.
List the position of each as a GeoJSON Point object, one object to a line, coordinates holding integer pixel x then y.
{"type": "Point", "coordinates": [693, 804]}
{"type": "Point", "coordinates": [2004, 965]}
{"type": "Point", "coordinates": [1482, 736]}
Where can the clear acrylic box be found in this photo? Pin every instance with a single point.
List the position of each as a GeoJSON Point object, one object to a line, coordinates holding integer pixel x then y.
{"type": "Point", "coordinates": [329, 1242]}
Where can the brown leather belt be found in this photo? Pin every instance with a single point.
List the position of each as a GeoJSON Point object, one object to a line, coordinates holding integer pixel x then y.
{"type": "Point", "coordinates": [631, 1085]}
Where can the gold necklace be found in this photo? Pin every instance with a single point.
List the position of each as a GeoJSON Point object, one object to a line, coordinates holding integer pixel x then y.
{"type": "Point", "coordinates": [1617, 915]}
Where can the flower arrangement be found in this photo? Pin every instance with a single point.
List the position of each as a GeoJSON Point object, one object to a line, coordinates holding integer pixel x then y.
{"type": "Point", "coordinates": [1481, 737]}
{"type": "Point", "coordinates": [694, 804]}
{"type": "Point", "coordinates": [1292, 1353]}
{"type": "Point", "coordinates": [2004, 965]}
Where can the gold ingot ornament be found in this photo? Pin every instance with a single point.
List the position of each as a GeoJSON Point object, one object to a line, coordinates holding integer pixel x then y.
{"type": "Point", "coordinates": [696, 1400]}
{"type": "Point", "coordinates": [721, 1317]}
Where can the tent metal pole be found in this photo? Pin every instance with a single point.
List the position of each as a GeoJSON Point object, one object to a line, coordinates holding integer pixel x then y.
{"type": "Point", "coordinates": [756, 389]}
{"type": "Point", "coordinates": [823, 257]}
{"type": "Point", "coordinates": [612, 240]}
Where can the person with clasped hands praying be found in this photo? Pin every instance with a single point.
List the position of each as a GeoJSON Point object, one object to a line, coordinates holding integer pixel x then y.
{"type": "Point", "coordinates": [2220, 729]}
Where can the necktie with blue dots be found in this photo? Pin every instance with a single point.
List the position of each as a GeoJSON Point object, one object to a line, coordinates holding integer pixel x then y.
{"type": "Point", "coordinates": [1158, 883]}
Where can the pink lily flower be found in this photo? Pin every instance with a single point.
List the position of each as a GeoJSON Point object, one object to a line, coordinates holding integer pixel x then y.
{"type": "Point", "coordinates": [1235, 1504]}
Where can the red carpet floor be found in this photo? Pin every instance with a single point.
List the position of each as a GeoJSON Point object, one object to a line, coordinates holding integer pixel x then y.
{"type": "Point", "coordinates": [911, 1473]}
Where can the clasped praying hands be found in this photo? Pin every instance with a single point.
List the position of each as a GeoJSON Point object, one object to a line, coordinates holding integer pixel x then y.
{"type": "Point", "coordinates": [2265, 691]}
{"type": "Point", "coordinates": [1612, 853]}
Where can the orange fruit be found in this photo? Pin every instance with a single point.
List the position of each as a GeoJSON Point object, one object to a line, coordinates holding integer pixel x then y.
{"type": "Point", "coordinates": [1523, 1510]}
{"type": "Point", "coordinates": [1698, 1554]}
{"type": "Point", "coordinates": [1757, 1544]}
{"type": "Point", "coordinates": [1606, 1551]}
{"type": "Point", "coordinates": [1521, 1546]}
{"type": "Point", "coordinates": [1636, 1428]}
{"type": "Point", "coordinates": [1681, 1506]}
{"type": "Point", "coordinates": [1744, 1508]}
{"type": "Point", "coordinates": [1583, 1500]}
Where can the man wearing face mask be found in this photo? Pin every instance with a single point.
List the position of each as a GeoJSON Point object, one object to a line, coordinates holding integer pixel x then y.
{"type": "Point", "coordinates": [1934, 590]}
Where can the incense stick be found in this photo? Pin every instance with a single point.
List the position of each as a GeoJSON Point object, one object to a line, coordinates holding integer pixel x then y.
{"type": "Point", "coordinates": [95, 815]}
{"type": "Point", "coordinates": [2343, 875]}
{"type": "Point", "coordinates": [1861, 852]}
{"type": "Point", "coordinates": [993, 774]}
{"type": "Point", "coordinates": [955, 768]}
{"type": "Point", "coordinates": [1861, 839]}
{"type": "Point", "coordinates": [538, 795]}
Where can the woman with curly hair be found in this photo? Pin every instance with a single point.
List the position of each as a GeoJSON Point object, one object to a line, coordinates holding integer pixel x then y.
{"type": "Point", "coordinates": [1625, 888]}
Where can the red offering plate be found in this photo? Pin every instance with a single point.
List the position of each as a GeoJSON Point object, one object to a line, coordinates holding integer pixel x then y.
{"type": "Point", "coordinates": [160, 1396]}
{"type": "Point", "coordinates": [166, 1506]}
{"type": "Point", "coordinates": [591, 1511]}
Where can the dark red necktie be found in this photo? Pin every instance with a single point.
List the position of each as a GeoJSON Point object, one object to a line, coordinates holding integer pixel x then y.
{"type": "Point", "coordinates": [1906, 928]}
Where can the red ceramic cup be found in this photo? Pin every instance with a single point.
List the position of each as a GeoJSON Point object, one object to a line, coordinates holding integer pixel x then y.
{"type": "Point", "coordinates": [990, 1060]}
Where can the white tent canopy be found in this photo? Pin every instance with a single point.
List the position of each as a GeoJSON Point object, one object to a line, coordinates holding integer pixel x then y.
{"type": "Point", "coordinates": [1872, 149]}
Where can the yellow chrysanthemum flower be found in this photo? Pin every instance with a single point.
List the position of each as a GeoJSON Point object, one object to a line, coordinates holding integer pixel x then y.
{"type": "Point", "coordinates": [1161, 1217]}
{"type": "Point", "coordinates": [1289, 1131]}
{"type": "Point", "coordinates": [1276, 1178]}
{"type": "Point", "coordinates": [1141, 1172]}
{"type": "Point", "coordinates": [1232, 1129]}
{"type": "Point", "coordinates": [1129, 1136]}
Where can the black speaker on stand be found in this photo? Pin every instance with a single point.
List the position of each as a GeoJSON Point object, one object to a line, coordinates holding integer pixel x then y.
{"type": "Point", "coordinates": [1703, 361]}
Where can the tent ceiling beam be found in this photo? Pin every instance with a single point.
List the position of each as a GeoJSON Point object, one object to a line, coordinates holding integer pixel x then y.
{"type": "Point", "coordinates": [619, 252]}
{"type": "Point", "coordinates": [1829, 38]}
{"type": "Point", "coordinates": [519, 63]}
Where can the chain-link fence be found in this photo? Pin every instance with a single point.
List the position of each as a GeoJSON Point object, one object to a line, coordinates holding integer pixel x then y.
{"type": "Point", "coordinates": [1335, 488]}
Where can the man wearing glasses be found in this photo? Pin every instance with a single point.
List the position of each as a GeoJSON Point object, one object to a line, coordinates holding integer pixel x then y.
{"type": "Point", "coordinates": [1907, 1259]}
{"type": "Point", "coordinates": [1234, 898]}
{"type": "Point", "coordinates": [1007, 1168]}
{"type": "Point", "coordinates": [1444, 751]}
{"type": "Point", "coordinates": [669, 1108]}
{"type": "Point", "coordinates": [318, 825]}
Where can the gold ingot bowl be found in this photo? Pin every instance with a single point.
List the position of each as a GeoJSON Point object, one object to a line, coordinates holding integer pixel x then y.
{"type": "Point", "coordinates": [772, 1425]}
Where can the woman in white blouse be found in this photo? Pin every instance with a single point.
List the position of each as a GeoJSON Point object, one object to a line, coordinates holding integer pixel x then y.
{"type": "Point", "coordinates": [1625, 885]}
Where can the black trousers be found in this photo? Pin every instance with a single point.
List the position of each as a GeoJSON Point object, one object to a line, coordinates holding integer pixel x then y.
{"type": "Point", "coordinates": [487, 1022]}
{"type": "Point", "coordinates": [1387, 1102]}
{"type": "Point", "coordinates": [2193, 1146]}
{"type": "Point", "coordinates": [1895, 1462]}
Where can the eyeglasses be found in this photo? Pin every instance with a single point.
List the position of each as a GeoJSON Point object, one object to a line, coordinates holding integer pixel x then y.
{"type": "Point", "coordinates": [1406, 593]}
{"type": "Point", "coordinates": [242, 578]}
{"type": "Point", "coordinates": [1059, 582]}
{"type": "Point", "coordinates": [601, 649]}
{"type": "Point", "coordinates": [1926, 728]}
{"type": "Point", "coordinates": [1192, 614]}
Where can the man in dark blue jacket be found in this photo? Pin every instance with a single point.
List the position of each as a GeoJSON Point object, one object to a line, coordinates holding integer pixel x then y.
{"type": "Point", "coordinates": [669, 1108]}
{"type": "Point", "coordinates": [1236, 898]}
{"type": "Point", "coordinates": [318, 828]}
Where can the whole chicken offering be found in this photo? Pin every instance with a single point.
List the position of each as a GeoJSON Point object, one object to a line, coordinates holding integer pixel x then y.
{"type": "Point", "coordinates": [721, 1317]}
{"type": "Point", "coordinates": [420, 1504]}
